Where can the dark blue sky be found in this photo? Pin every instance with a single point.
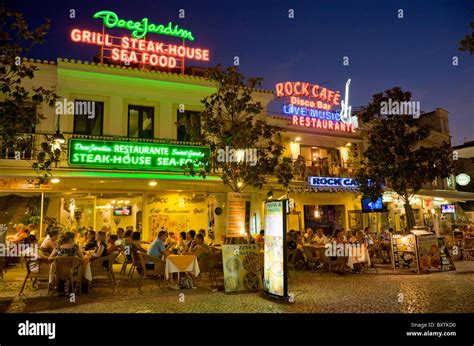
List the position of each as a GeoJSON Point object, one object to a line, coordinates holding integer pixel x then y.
{"type": "Point", "coordinates": [414, 53]}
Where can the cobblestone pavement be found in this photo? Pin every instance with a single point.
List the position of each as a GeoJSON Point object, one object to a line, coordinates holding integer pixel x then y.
{"type": "Point", "coordinates": [314, 292]}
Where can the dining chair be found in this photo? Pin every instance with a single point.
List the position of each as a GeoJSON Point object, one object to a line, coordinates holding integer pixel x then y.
{"type": "Point", "coordinates": [102, 268]}
{"type": "Point", "coordinates": [311, 259]}
{"type": "Point", "coordinates": [158, 270]}
{"type": "Point", "coordinates": [42, 274]}
{"type": "Point", "coordinates": [207, 265]}
{"type": "Point", "coordinates": [291, 256]}
{"type": "Point", "coordinates": [68, 269]}
{"type": "Point", "coordinates": [2, 266]}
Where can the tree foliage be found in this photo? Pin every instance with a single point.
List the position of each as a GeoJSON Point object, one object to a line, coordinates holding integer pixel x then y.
{"type": "Point", "coordinates": [397, 156]}
{"type": "Point", "coordinates": [232, 119]}
{"type": "Point", "coordinates": [19, 109]}
{"type": "Point", "coordinates": [467, 43]}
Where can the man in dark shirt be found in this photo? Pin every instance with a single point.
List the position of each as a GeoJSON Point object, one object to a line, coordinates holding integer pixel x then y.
{"type": "Point", "coordinates": [91, 242]}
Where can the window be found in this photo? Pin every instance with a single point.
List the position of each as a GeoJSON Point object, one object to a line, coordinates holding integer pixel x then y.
{"type": "Point", "coordinates": [88, 117]}
{"type": "Point", "coordinates": [189, 126]}
{"type": "Point", "coordinates": [140, 121]}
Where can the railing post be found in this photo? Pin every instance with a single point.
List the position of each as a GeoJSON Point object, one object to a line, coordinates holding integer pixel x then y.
{"type": "Point", "coordinates": [41, 218]}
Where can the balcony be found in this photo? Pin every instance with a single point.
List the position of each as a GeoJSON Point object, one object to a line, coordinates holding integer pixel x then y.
{"type": "Point", "coordinates": [25, 147]}
{"type": "Point", "coordinates": [302, 169]}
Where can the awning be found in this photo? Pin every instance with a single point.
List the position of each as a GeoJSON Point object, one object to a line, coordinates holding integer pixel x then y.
{"type": "Point", "coordinates": [447, 194]}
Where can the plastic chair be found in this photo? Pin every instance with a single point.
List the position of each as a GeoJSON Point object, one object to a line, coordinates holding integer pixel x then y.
{"type": "Point", "coordinates": [158, 270]}
{"type": "Point", "coordinates": [102, 268]}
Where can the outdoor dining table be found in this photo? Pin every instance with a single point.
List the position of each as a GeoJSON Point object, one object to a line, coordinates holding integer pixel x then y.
{"type": "Point", "coordinates": [181, 263]}
{"type": "Point", "coordinates": [360, 255]}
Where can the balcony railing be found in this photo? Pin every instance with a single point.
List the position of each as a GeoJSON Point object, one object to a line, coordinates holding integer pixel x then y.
{"type": "Point", "coordinates": [302, 169]}
{"type": "Point", "coordinates": [22, 147]}
{"type": "Point", "coordinates": [27, 146]}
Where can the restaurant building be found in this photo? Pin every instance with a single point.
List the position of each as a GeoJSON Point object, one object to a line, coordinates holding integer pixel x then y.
{"type": "Point", "coordinates": [127, 122]}
{"type": "Point", "coordinates": [157, 111]}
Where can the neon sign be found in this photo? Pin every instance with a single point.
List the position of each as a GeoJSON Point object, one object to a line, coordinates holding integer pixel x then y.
{"type": "Point", "coordinates": [332, 182]}
{"type": "Point", "coordinates": [297, 89]}
{"type": "Point", "coordinates": [142, 28]}
{"type": "Point", "coordinates": [132, 50]}
{"type": "Point", "coordinates": [132, 156]}
{"type": "Point", "coordinates": [310, 105]}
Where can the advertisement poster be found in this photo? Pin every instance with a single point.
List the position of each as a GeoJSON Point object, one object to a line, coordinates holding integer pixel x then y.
{"type": "Point", "coordinates": [236, 216]}
{"type": "Point", "coordinates": [275, 273]}
{"type": "Point", "coordinates": [404, 252]}
{"type": "Point", "coordinates": [447, 263]}
{"type": "Point", "coordinates": [242, 268]}
{"type": "Point", "coordinates": [428, 253]}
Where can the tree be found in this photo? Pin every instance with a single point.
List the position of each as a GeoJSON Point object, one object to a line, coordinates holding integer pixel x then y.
{"type": "Point", "coordinates": [231, 124]}
{"type": "Point", "coordinates": [467, 43]}
{"type": "Point", "coordinates": [396, 157]}
{"type": "Point", "coordinates": [19, 107]}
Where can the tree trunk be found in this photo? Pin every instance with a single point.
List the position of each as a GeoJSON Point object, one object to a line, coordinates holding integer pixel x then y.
{"type": "Point", "coordinates": [410, 216]}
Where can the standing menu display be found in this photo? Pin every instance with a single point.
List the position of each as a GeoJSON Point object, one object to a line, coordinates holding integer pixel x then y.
{"type": "Point", "coordinates": [404, 252]}
{"type": "Point", "coordinates": [428, 253]}
{"type": "Point", "coordinates": [242, 268]}
{"type": "Point", "coordinates": [447, 263]}
{"type": "Point", "coordinates": [275, 280]}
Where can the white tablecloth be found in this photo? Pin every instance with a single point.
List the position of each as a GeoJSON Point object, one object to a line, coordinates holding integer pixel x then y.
{"type": "Point", "coordinates": [359, 256]}
{"type": "Point", "coordinates": [171, 267]}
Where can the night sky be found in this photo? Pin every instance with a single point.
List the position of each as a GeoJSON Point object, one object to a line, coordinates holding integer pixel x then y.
{"type": "Point", "coordinates": [414, 53]}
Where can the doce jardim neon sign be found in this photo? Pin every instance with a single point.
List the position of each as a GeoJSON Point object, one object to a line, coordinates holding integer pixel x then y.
{"type": "Point", "coordinates": [132, 156]}
{"type": "Point", "coordinates": [141, 28]}
{"type": "Point", "coordinates": [135, 49]}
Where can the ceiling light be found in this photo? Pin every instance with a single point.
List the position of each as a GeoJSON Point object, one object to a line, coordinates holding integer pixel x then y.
{"type": "Point", "coordinates": [55, 180]}
{"type": "Point", "coordinates": [152, 183]}
{"type": "Point", "coordinates": [297, 139]}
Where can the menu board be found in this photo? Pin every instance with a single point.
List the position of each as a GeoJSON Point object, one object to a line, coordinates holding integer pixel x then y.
{"type": "Point", "coordinates": [404, 252]}
{"type": "Point", "coordinates": [275, 281]}
{"type": "Point", "coordinates": [428, 253]}
{"type": "Point", "coordinates": [242, 268]}
{"type": "Point", "coordinates": [236, 206]}
{"type": "Point", "coordinates": [447, 263]}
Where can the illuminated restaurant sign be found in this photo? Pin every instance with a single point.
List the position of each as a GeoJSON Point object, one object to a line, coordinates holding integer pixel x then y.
{"type": "Point", "coordinates": [311, 105]}
{"type": "Point", "coordinates": [137, 48]}
{"type": "Point", "coordinates": [141, 28]}
{"type": "Point", "coordinates": [132, 156]}
{"type": "Point", "coordinates": [332, 182]}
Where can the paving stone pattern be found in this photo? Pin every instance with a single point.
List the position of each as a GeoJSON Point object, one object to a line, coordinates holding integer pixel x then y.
{"type": "Point", "coordinates": [314, 292]}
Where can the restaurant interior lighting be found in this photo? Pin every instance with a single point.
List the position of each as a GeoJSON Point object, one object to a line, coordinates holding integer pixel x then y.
{"type": "Point", "coordinates": [152, 183]}
{"type": "Point", "coordinates": [297, 139]}
{"type": "Point", "coordinates": [55, 180]}
{"type": "Point", "coordinates": [74, 189]}
{"type": "Point", "coordinates": [349, 144]}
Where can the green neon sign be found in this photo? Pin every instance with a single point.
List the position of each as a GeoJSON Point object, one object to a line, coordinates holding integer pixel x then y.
{"type": "Point", "coordinates": [132, 156]}
{"type": "Point", "coordinates": [143, 27]}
